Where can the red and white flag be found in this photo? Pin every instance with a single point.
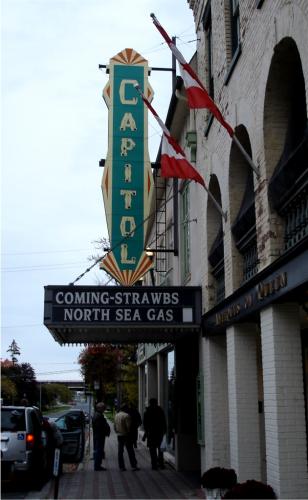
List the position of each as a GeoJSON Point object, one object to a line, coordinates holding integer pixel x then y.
{"type": "Point", "coordinates": [196, 93]}
{"type": "Point", "coordinates": [173, 160]}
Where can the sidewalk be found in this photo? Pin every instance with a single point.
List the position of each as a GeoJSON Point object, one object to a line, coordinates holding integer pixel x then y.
{"type": "Point", "coordinates": [146, 483]}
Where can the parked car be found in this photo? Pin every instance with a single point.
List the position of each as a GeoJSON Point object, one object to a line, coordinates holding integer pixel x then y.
{"type": "Point", "coordinates": [72, 426]}
{"type": "Point", "coordinates": [23, 443]}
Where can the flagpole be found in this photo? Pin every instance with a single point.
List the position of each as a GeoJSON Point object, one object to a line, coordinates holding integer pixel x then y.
{"type": "Point", "coordinates": [166, 132]}
{"type": "Point", "coordinates": [219, 208]}
{"type": "Point", "coordinates": [246, 155]}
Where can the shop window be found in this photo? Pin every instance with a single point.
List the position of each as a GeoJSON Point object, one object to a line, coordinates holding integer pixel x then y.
{"type": "Point", "coordinates": [185, 234]}
{"type": "Point", "coordinates": [233, 35]}
{"type": "Point", "coordinates": [170, 435]}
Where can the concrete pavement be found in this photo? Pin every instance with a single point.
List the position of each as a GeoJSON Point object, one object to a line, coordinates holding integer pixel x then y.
{"type": "Point", "coordinates": [85, 483]}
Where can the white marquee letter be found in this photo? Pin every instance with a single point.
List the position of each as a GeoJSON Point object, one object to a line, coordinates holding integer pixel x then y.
{"type": "Point", "coordinates": [124, 256]}
{"type": "Point", "coordinates": [127, 193]}
{"type": "Point", "coordinates": [128, 172]}
{"type": "Point", "coordinates": [131, 228]}
{"type": "Point", "coordinates": [128, 122]}
{"type": "Point", "coordinates": [127, 144]}
{"type": "Point", "coordinates": [123, 84]}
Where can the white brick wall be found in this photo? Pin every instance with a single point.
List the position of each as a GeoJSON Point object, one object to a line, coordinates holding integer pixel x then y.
{"type": "Point", "coordinates": [243, 401]}
{"type": "Point", "coordinates": [286, 446]}
{"type": "Point", "coordinates": [242, 102]}
{"type": "Point", "coordinates": [216, 404]}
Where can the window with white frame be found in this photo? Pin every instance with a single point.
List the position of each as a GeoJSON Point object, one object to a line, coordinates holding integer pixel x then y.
{"type": "Point", "coordinates": [235, 25]}
{"type": "Point", "coordinates": [233, 36]}
{"type": "Point", "coordinates": [207, 26]}
{"type": "Point", "coordinates": [185, 234]}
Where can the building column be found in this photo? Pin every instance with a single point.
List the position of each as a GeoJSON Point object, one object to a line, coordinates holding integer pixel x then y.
{"type": "Point", "coordinates": [284, 405]}
{"type": "Point", "coordinates": [151, 380]}
{"type": "Point", "coordinates": [216, 403]}
{"type": "Point", "coordinates": [243, 401]}
{"type": "Point", "coordinates": [187, 456]}
{"type": "Point", "coordinates": [141, 391]}
{"type": "Point", "coordinates": [162, 380]}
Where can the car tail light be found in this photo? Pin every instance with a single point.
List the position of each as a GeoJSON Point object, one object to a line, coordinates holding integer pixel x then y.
{"type": "Point", "coordinates": [30, 441]}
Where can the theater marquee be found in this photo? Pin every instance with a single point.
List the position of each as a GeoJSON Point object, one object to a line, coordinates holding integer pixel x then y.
{"type": "Point", "coordinates": [88, 314]}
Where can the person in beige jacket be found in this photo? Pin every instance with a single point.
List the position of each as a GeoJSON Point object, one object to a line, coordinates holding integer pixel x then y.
{"type": "Point", "coordinates": [122, 426]}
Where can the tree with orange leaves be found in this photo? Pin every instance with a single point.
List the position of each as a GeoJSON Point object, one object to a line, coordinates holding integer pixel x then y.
{"type": "Point", "coordinates": [99, 364]}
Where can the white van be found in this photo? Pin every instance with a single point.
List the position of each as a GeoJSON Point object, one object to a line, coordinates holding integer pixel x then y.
{"type": "Point", "coordinates": [23, 443]}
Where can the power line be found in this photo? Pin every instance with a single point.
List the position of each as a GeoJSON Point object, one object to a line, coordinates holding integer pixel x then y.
{"type": "Point", "coordinates": [40, 269]}
{"type": "Point", "coordinates": [57, 372]}
{"type": "Point", "coordinates": [125, 238]}
{"type": "Point", "coordinates": [40, 266]}
{"type": "Point", "coordinates": [46, 251]}
{"type": "Point", "coordinates": [54, 363]}
{"type": "Point", "coordinates": [22, 326]}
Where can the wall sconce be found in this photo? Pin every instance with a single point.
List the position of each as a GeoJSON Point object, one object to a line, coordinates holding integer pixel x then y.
{"type": "Point", "coordinates": [150, 254]}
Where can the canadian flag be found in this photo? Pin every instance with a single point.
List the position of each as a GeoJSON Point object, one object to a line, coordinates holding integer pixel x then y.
{"type": "Point", "coordinates": [174, 163]}
{"type": "Point", "coordinates": [197, 95]}
{"type": "Point", "coordinates": [173, 160]}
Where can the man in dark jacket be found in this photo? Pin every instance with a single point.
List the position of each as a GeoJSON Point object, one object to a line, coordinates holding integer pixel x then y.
{"type": "Point", "coordinates": [136, 421]}
{"type": "Point", "coordinates": [101, 429]}
{"type": "Point", "coordinates": [154, 422]}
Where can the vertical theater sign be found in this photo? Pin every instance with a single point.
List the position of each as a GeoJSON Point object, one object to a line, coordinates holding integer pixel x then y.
{"type": "Point", "coordinates": [127, 183]}
{"type": "Point", "coordinates": [117, 314]}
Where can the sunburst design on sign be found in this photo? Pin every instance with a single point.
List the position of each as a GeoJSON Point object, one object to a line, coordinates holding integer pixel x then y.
{"type": "Point", "coordinates": [128, 276]}
{"type": "Point", "coordinates": [129, 56]}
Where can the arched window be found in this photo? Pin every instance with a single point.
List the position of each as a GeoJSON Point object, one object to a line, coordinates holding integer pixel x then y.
{"type": "Point", "coordinates": [286, 143]}
{"type": "Point", "coordinates": [215, 244]}
{"type": "Point", "coordinates": [242, 212]}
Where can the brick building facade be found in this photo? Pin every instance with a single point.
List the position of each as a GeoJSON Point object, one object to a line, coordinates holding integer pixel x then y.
{"type": "Point", "coordinates": [250, 360]}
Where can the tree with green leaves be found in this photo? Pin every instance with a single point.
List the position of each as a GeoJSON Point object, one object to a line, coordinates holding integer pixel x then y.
{"type": "Point", "coordinates": [24, 379]}
{"type": "Point", "coordinates": [129, 375]}
{"type": "Point", "coordinates": [53, 393]}
{"type": "Point", "coordinates": [8, 390]}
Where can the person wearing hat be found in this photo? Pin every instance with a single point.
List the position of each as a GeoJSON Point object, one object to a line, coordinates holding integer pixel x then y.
{"type": "Point", "coordinates": [101, 429]}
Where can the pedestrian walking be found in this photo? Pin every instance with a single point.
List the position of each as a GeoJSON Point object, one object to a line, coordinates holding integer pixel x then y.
{"type": "Point", "coordinates": [136, 421]}
{"type": "Point", "coordinates": [122, 426]}
{"type": "Point", "coordinates": [101, 429]}
{"type": "Point", "coordinates": [154, 422]}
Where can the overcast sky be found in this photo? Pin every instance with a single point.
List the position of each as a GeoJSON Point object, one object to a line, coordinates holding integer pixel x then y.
{"type": "Point", "coordinates": [54, 132]}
